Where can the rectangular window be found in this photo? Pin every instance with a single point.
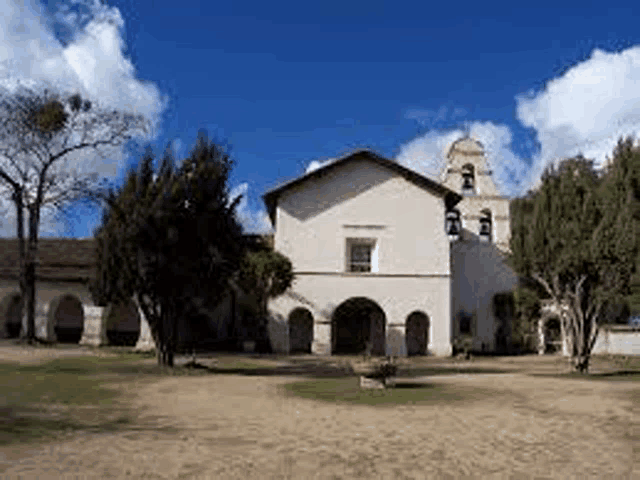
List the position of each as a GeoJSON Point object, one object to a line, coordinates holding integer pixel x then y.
{"type": "Point", "coordinates": [362, 255]}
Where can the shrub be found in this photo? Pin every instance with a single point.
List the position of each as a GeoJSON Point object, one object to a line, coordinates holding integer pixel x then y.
{"type": "Point", "coordinates": [463, 345]}
{"type": "Point", "coordinates": [384, 370]}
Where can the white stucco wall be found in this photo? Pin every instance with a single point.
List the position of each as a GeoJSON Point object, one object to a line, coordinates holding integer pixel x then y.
{"type": "Point", "coordinates": [364, 200]}
{"type": "Point", "coordinates": [617, 342]}
{"type": "Point", "coordinates": [479, 273]}
{"type": "Point", "coordinates": [398, 297]}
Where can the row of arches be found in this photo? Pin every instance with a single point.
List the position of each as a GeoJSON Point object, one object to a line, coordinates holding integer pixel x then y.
{"type": "Point", "coordinates": [357, 325]}
{"type": "Point", "coordinates": [65, 314]}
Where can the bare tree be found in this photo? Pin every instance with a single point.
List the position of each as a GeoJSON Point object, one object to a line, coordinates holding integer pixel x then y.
{"type": "Point", "coordinates": [52, 148]}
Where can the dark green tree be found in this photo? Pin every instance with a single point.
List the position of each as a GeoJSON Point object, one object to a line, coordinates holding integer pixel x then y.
{"type": "Point", "coordinates": [620, 192]}
{"type": "Point", "coordinates": [525, 318]}
{"type": "Point", "coordinates": [577, 239]}
{"type": "Point", "coordinates": [171, 241]}
{"type": "Point", "coordinates": [267, 274]}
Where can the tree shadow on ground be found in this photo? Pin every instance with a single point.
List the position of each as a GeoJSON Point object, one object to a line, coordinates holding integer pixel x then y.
{"type": "Point", "coordinates": [59, 397]}
{"type": "Point", "coordinates": [318, 370]}
{"type": "Point", "coordinates": [24, 424]}
{"type": "Point", "coordinates": [617, 375]}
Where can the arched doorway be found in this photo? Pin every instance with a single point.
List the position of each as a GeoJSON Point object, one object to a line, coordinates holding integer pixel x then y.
{"type": "Point", "coordinates": [417, 336]}
{"type": "Point", "coordinates": [358, 323]}
{"type": "Point", "coordinates": [67, 316]}
{"type": "Point", "coordinates": [123, 324]}
{"type": "Point", "coordinates": [300, 331]}
{"type": "Point", "coordinates": [552, 335]}
{"type": "Point", "coordinates": [10, 316]}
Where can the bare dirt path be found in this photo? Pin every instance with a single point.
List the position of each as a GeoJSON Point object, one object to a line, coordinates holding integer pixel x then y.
{"type": "Point", "coordinates": [231, 426]}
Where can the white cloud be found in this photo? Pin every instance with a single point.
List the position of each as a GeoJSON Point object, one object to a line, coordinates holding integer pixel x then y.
{"type": "Point", "coordinates": [90, 60]}
{"type": "Point", "coordinates": [93, 62]}
{"type": "Point", "coordinates": [586, 110]}
{"type": "Point", "coordinates": [252, 221]}
{"type": "Point", "coordinates": [427, 154]}
{"type": "Point", "coordinates": [315, 165]}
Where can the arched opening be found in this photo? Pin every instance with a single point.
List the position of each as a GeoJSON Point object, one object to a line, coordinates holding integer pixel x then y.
{"type": "Point", "coordinates": [123, 324]}
{"type": "Point", "coordinates": [358, 326]}
{"type": "Point", "coordinates": [417, 336]}
{"type": "Point", "coordinates": [453, 224]}
{"type": "Point", "coordinates": [552, 335]}
{"type": "Point", "coordinates": [300, 331]}
{"type": "Point", "coordinates": [67, 316]}
{"type": "Point", "coordinates": [485, 225]}
{"type": "Point", "coordinates": [468, 179]}
{"type": "Point", "coordinates": [10, 316]}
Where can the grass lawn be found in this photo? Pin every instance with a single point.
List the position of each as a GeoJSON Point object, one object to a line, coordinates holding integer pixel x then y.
{"type": "Point", "coordinates": [347, 390]}
{"type": "Point", "coordinates": [72, 394]}
{"type": "Point", "coordinates": [60, 396]}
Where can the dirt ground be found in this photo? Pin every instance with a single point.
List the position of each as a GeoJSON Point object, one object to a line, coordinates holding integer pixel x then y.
{"type": "Point", "coordinates": [232, 426]}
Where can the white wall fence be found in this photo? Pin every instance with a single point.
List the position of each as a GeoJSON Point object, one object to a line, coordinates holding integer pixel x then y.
{"type": "Point", "coordinates": [618, 340]}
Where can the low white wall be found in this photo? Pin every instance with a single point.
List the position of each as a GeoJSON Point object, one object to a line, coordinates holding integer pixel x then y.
{"type": "Point", "coordinates": [622, 342]}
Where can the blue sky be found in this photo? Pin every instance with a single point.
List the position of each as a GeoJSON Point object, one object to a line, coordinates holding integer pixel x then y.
{"type": "Point", "coordinates": [285, 84]}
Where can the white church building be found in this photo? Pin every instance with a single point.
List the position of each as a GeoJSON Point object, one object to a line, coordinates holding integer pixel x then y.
{"type": "Point", "coordinates": [392, 262]}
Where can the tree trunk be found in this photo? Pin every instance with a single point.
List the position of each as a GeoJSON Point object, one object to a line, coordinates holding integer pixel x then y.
{"type": "Point", "coordinates": [581, 363]}
{"type": "Point", "coordinates": [30, 274]}
{"type": "Point", "coordinates": [18, 200]}
{"type": "Point", "coordinates": [172, 343]}
{"type": "Point", "coordinates": [165, 344]}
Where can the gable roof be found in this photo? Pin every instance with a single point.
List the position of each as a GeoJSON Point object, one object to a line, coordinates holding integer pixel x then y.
{"type": "Point", "coordinates": [451, 198]}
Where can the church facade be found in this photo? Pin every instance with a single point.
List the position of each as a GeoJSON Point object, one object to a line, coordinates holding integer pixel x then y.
{"type": "Point", "coordinates": [390, 262]}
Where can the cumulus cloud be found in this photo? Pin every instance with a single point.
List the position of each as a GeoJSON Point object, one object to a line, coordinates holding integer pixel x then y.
{"type": "Point", "coordinates": [77, 46]}
{"type": "Point", "coordinates": [92, 62]}
{"type": "Point", "coordinates": [252, 221]}
{"type": "Point", "coordinates": [585, 110]}
{"type": "Point", "coordinates": [427, 154]}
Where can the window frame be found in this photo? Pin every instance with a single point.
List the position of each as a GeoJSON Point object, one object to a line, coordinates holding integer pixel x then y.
{"type": "Point", "coordinates": [373, 248]}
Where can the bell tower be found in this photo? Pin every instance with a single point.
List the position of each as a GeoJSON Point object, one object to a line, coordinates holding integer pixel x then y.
{"type": "Point", "coordinates": [483, 212]}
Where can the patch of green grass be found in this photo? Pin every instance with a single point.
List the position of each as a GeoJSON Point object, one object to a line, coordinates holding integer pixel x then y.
{"type": "Point", "coordinates": [347, 390]}
{"type": "Point", "coordinates": [240, 364]}
{"type": "Point", "coordinates": [425, 371]}
{"type": "Point", "coordinates": [23, 424]}
{"type": "Point", "coordinates": [66, 394]}
{"type": "Point", "coordinates": [65, 381]}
